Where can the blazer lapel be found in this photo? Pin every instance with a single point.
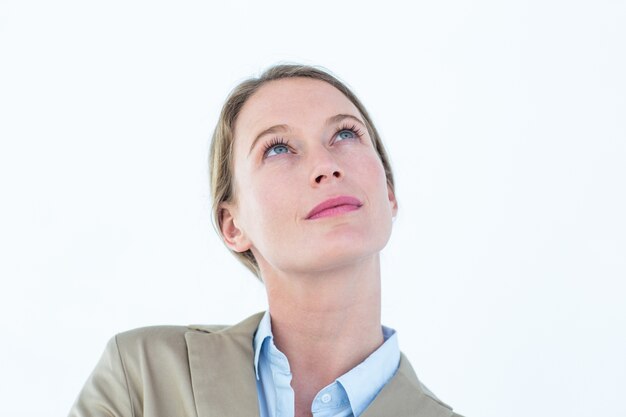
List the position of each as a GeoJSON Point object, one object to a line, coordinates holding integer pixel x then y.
{"type": "Point", "coordinates": [221, 361]}
{"type": "Point", "coordinates": [405, 396]}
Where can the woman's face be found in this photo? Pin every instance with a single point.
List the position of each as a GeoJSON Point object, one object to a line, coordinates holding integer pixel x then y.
{"type": "Point", "coordinates": [281, 175]}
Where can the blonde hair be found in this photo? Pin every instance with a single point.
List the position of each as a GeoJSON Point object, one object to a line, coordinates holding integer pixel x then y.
{"type": "Point", "coordinates": [221, 150]}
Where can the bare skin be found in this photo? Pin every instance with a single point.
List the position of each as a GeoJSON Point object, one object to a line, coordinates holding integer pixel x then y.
{"type": "Point", "coordinates": [338, 328]}
{"type": "Point", "coordinates": [322, 275]}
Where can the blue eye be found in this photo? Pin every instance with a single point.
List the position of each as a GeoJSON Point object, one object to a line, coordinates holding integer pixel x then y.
{"type": "Point", "coordinates": [278, 145]}
{"type": "Point", "coordinates": [353, 130]}
{"type": "Point", "coordinates": [279, 149]}
{"type": "Point", "coordinates": [342, 134]}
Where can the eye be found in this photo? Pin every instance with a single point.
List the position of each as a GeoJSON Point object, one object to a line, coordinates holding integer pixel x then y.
{"type": "Point", "coordinates": [278, 145]}
{"type": "Point", "coordinates": [349, 132]}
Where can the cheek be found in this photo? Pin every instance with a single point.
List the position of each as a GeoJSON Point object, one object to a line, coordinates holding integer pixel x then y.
{"type": "Point", "coordinates": [270, 217]}
{"type": "Point", "coordinates": [370, 169]}
{"type": "Point", "coordinates": [372, 177]}
{"type": "Point", "coordinates": [274, 198]}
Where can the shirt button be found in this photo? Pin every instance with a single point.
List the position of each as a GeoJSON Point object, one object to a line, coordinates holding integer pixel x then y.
{"type": "Point", "coordinates": [326, 398]}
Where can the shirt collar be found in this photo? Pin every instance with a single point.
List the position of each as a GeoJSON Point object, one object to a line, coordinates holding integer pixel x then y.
{"type": "Point", "coordinates": [377, 369]}
{"type": "Point", "coordinates": [363, 382]}
{"type": "Point", "coordinates": [263, 332]}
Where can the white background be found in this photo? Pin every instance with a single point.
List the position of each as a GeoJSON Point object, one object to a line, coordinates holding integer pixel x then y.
{"type": "Point", "coordinates": [505, 123]}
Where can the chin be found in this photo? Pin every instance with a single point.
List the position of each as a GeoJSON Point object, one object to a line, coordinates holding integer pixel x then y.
{"type": "Point", "coordinates": [338, 248]}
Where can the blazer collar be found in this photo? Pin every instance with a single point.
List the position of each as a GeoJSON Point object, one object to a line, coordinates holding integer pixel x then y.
{"type": "Point", "coordinates": [222, 368]}
{"type": "Point", "coordinates": [221, 360]}
{"type": "Point", "coordinates": [405, 396]}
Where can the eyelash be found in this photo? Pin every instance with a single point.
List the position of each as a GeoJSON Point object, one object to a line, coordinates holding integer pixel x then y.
{"type": "Point", "coordinates": [280, 141]}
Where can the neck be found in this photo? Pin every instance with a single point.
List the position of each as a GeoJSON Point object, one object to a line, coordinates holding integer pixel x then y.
{"type": "Point", "coordinates": [331, 317]}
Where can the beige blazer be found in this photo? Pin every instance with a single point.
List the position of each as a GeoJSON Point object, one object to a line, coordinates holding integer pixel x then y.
{"type": "Point", "coordinates": [208, 371]}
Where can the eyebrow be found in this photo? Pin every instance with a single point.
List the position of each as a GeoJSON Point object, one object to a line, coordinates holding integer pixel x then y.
{"type": "Point", "coordinates": [285, 128]}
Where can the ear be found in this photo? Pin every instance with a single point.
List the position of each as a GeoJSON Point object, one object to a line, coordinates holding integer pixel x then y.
{"type": "Point", "coordinates": [392, 200]}
{"type": "Point", "coordinates": [233, 236]}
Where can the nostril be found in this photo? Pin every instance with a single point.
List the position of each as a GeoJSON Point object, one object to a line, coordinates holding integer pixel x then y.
{"type": "Point", "coordinates": [336, 174]}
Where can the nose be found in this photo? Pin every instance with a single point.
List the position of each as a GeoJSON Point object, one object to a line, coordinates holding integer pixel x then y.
{"type": "Point", "coordinates": [325, 168]}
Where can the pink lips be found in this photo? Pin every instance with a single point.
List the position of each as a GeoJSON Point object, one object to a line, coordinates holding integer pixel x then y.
{"type": "Point", "coordinates": [335, 206]}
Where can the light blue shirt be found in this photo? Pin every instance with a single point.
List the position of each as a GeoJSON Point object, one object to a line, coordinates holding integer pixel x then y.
{"type": "Point", "coordinates": [348, 396]}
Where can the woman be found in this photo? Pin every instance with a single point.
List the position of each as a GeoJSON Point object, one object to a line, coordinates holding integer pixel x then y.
{"type": "Point", "coordinates": [304, 196]}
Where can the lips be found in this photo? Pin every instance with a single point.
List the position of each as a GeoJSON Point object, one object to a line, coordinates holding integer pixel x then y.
{"type": "Point", "coordinates": [334, 202]}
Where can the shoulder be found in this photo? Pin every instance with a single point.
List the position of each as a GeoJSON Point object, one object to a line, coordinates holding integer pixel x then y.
{"type": "Point", "coordinates": [147, 365]}
{"type": "Point", "coordinates": [167, 340]}
{"type": "Point", "coordinates": [145, 352]}
{"type": "Point", "coordinates": [149, 334]}
{"type": "Point", "coordinates": [134, 366]}
{"type": "Point", "coordinates": [158, 340]}
{"type": "Point", "coordinates": [155, 359]}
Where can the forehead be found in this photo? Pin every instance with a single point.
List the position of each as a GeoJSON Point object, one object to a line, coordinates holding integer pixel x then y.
{"type": "Point", "coordinates": [294, 101]}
